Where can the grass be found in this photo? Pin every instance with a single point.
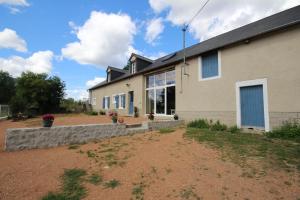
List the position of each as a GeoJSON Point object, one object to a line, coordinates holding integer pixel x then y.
{"type": "Point", "coordinates": [72, 188]}
{"type": "Point", "coordinates": [95, 179]}
{"type": "Point", "coordinates": [112, 184]}
{"type": "Point", "coordinates": [288, 131]}
{"type": "Point", "coordinates": [138, 191]}
{"type": "Point", "coordinates": [166, 130]}
{"type": "Point", "coordinates": [239, 147]}
{"type": "Point", "coordinates": [188, 193]}
{"type": "Point", "coordinates": [73, 146]}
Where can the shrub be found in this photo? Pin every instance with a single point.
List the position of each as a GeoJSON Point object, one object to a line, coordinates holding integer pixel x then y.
{"type": "Point", "coordinates": [92, 113]}
{"type": "Point", "coordinates": [233, 129]}
{"type": "Point", "coordinates": [218, 126]}
{"type": "Point", "coordinates": [199, 123]}
{"type": "Point", "coordinates": [112, 184]}
{"type": "Point", "coordinates": [176, 117]}
{"type": "Point", "coordinates": [102, 112]}
{"type": "Point", "coordinates": [151, 116]}
{"type": "Point", "coordinates": [289, 130]}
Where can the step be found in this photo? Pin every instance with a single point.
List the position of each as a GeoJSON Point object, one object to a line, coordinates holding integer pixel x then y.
{"type": "Point", "coordinates": [136, 130]}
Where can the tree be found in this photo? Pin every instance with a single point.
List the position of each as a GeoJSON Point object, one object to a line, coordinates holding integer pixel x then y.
{"type": "Point", "coordinates": [7, 87]}
{"type": "Point", "coordinates": [37, 94]}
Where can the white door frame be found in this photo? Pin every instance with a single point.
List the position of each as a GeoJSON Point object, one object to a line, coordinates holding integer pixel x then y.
{"type": "Point", "coordinates": [240, 84]}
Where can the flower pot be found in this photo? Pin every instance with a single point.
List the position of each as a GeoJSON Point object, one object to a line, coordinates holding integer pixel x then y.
{"type": "Point", "coordinates": [47, 123]}
{"type": "Point", "coordinates": [114, 120]}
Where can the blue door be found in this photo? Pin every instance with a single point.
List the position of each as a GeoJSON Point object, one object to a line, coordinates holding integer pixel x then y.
{"type": "Point", "coordinates": [252, 106]}
{"type": "Point", "coordinates": [130, 95]}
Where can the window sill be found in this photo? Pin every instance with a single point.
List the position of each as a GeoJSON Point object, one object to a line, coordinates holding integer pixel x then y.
{"type": "Point", "coordinates": [209, 78]}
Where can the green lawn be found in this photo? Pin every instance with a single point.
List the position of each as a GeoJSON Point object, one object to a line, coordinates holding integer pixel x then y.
{"type": "Point", "coordinates": [240, 147]}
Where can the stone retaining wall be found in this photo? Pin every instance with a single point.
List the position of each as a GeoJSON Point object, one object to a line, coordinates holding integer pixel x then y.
{"type": "Point", "coordinates": [31, 138]}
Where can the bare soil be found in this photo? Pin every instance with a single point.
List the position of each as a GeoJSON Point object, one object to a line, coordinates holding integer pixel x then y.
{"type": "Point", "coordinates": [168, 166]}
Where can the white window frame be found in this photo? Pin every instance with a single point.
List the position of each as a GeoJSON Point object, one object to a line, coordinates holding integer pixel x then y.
{"type": "Point", "coordinates": [114, 101]}
{"type": "Point", "coordinates": [94, 101]}
{"type": "Point", "coordinates": [133, 67]}
{"type": "Point", "coordinates": [262, 82]}
{"type": "Point", "coordinates": [159, 87]}
{"type": "Point", "coordinates": [106, 102]}
{"type": "Point", "coordinates": [213, 77]}
{"type": "Point", "coordinates": [120, 101]}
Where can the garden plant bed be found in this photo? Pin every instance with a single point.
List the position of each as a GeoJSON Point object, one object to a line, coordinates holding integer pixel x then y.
{"type": "Point", "coordinates": [165, 164]}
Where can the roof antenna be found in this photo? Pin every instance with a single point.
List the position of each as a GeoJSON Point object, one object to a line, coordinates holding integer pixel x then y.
{"type": "Point", "coordinates": [184, 29]}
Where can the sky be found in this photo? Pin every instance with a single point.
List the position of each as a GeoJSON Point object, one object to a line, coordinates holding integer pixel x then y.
{"type": "Point", "coordinates": [77, 39]}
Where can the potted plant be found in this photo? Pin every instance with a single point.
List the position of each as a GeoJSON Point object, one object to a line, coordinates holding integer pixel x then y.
{"type": "Point", "coordinates": [176, 117]}
{"type": "Point", "coordinates": [48, 120]}
{"type": "Point", "coordinates": [151, 116]}
{"type": "Point", "coordinates": [136, 111]}
{"type": "Point", "coordinates": [121, 120]}
{"type": "Point", "coordinates": [114, 116]}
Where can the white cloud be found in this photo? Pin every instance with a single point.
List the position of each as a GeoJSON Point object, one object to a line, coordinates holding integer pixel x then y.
{"type": "Point", "coordinates": [39, 62]}
{"type": "Point", "coordinates": [104, 39]}
{"type": "Point", "coordinates": [77, 94]}
{"type": "Point", "coordinates": [95, 81]}
{"type": "Point", "coordinates": [15, 2]}
{"type": "Point", "coordinates": [10, 39]}
{"type": "Point", "coordinates": [154, 28]}
{"type": "Point", "coordinates": [218, 16]}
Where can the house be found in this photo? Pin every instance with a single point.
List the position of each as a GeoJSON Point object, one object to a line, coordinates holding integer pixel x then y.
{"type": "Point", "coordinates": [249, 76]}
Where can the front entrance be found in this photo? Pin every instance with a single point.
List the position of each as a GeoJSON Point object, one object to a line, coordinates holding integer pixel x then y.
{"type": "Point", "coordinates": [252, 106]}
{"type": "Point", "coordinates": [130, 102]}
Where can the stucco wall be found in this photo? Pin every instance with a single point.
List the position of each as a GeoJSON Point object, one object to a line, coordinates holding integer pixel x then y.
{"type": "Point", "coordinates": [135, 84]}
{"type": "Point", "coordinates": [275, 57]}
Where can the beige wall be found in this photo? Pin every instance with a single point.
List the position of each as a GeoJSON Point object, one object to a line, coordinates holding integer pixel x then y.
{"type": "Point", "coordinates": [136, 84]}
{"type": "Point", "coordinates": [275, 57]}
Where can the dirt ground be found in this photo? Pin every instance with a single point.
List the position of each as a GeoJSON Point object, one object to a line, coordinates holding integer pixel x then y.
{"type": "Point", "coordinates": [61, 120]}
{"type": "Point", "coordinates": [168, 166]}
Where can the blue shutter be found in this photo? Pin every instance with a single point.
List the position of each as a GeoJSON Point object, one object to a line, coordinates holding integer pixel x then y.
{"type": "Point", "coordinates": [108, 100]}
{"type": "Point", "coordinates": [123, 100]}
{"type": "Point", "coordinates": [252, 106]}
{"type": "Point", "coordinates": [210, 65]}
{"type": "Point", "coordinates": [103, 103]}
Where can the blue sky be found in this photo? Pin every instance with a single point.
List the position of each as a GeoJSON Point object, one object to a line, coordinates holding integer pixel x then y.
{"type": "Point", "coordinates": [76, 40]}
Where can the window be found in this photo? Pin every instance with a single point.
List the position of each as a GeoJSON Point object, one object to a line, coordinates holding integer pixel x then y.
{"type": "Point", "coordinates": [133, 67]}
{"type": "Point", "coordinates": [170, 77]}
{"type": "Point", "coordinates": [160, 93]}
{"type": "Point", "coordinates": [105, 102]}
{"type": "Point", "coordinates": [108, 76]}
{"type": "Point", "coordinates": [149, 101]}
{"type": "Point", "coordinates": [150, 81]}
{"type": "Point", "coordinates": [116, 101]}
{"type": "Point", "coordinates": [209, 66]}
{"type": "Point", "coordinates": [94, 101]}
{"type": "Point", "coordinates": [122, 99]}
{"type": "Point", "coordinates": [160, 79]}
